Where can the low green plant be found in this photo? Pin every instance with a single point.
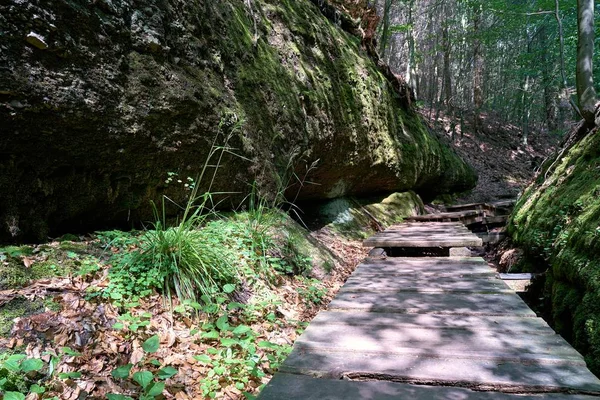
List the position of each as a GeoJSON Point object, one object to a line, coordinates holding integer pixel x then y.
{"type": "Point", "coordinates": [149, 384]}
{"type": "Point", "coordinates": [183, 259]}
{"type": "Point", "coordinates": [21, 375]}
{"type": "Point", "coordinates": [313, 291]}
{"type": "Point", "coordinates": [132, 322]}
{"type": "Point", "coordinates": [234, 358]}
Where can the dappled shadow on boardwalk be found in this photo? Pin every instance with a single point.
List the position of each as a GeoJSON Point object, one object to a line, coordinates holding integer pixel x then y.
{"type": "Point", "coordinates": [468, 334]}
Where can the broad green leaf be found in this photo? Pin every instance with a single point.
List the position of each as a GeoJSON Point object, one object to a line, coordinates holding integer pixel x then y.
{"type": "Point", "coordinates": [203, 358]}
{"type": "Point", "coordinates": [211, 335]}
{"type": "Point", "coordinates": [227, 342]}
{"type": "Point", "coordinates": [35, 388]}
{"type": "Point", "coordinates": [122, 372]}
{"type": "Point", "coordinates": [241, 329]}
{"type": "Point", "coordinates": [152, 344]}
{"type": "Point", "coordinates": [143, 378]}
{"type": "Point", "coordinates": [13, 363]}
{"type": "Point", "coordinates": [32, 364]}
{"type": "Point", "coordinates": [70, 352]}
{"type": "Point", "coordinates": [14, 396]}
{"type": "Point", "coordinates": [118, 326]}
{"type": "Point", "coordinates": [229, 288]}
{"type": "Point", "coordinates": [167, 372]}
{"type": "Point", "coordinates": [112, 396]}
{"type": "Point", "coordinates": [222, 323]}
{"type": "Point", "coordinates": [69, 375]}
{"type": "Point", "coordinates": [156, 389]}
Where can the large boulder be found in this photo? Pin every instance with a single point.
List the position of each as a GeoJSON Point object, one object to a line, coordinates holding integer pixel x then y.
{"type": "Point", "coordinates": [102, 100]}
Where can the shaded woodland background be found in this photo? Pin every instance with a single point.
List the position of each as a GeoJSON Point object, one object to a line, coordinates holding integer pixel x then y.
{"type": "Point", "coordinates": [514, 59]}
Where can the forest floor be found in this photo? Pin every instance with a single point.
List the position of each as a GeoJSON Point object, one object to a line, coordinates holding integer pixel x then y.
{"type": "Point", "coordinates": [505, 165]}
{"type": "Point", "coordinates": [62, 337]}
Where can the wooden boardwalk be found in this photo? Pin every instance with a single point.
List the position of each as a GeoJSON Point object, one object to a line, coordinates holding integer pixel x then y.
{"type": "Point", "coordinates": [430, 328]}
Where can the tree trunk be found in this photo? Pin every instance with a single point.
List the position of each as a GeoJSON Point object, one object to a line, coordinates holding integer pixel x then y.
{"type": "Point", "coordinates": [586, 95]}
{"type": "Point", "coordinates": [447, 75]}
{"type": "Point", "coordinates": [385, 33]}
{"type": "Point", "coordinates": [477, 68]}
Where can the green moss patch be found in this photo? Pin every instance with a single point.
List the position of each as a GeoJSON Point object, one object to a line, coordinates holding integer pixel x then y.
{"type": "Point", "coordinates": [18, 307]}
{"type": "Point", "coordinates": [557, 221]}
{"type": "Point", "coordinates": [358, 219]}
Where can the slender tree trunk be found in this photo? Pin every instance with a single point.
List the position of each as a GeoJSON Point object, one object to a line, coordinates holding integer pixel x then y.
{"type": "Point", "coordinates": [385, 32]}
{"type": "Point", "coordinates": [586, 94]}
{"type": "Point", "coordinates": [477, 68]}
{"type": "Point", "coordinates": [410, 77]}
{"type": "Point", "coordinates": [447, 74]}
{"type": "Point", "coordinates": [550, 93]}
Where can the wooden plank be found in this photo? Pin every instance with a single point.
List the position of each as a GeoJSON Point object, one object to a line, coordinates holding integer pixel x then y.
{"type": "Point", "coordinates": [434, 303]}
{"type": "Point", "coordinates": [376, 241]}
{"type": "Point", "coordinates": [508, 324]}
{"type": "Point", "coordinates": [529, 376]}
{"type": "Point", "coordinates": [520, 276]}
{"type": "Point", "coordinates": [303, 387]}
{"type": "Point", "coordinates": [437, 343]}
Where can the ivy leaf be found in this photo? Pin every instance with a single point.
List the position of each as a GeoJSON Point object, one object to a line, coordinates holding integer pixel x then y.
{"type": "Point", "coordinates": [227, 342]}
{"type": "Point", "coordinates": [241, 329]}
{"type": "Point", "coordinates": [12, 363]}
{"type": "Point", "coordinates": [112, 396]}
{"type": "Point", "coordinates": [167, 372]}
{"type": "Point", "coordinates": [152, 344]}
{"type": "Point", "coordinates": [70, 352]}
{"type": "Point", "coordinates": [14, 396]}
{"type": "Point", "coordinates": [69, 375]}
{"type": "Point", "coordinates": [121, 372]}
{"type": "Point", "coordinates": [32, 364]}
{"type": "Point", "coordinates": [222, 323]}
{"type": "Point", "coordinates": [35, 388]}
{"type": "Point", "coordinates": [156, 389]}
{"type": "Point", "coordinates": [268, 345]}
{"type": "Point", "coordinates": [210, 335]}
{"type": "Point", "coordinates": [229, 288]}
{"type": "Point", "coordinates": [143, 378]}
{"type": "Point", "coordinates": [203, 358]}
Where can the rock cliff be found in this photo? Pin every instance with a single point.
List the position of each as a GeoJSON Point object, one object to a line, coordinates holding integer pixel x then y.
{"type": "Point", "coordinates": [101, 99]}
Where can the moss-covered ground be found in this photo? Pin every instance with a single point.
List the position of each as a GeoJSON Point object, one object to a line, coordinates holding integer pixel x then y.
{"type": "Point", "coordinates": [557, 221]}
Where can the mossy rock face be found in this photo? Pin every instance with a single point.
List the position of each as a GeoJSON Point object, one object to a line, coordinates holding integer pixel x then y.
{"type": "Point", "coordinates": [359, 218]}
{"type": "Point", "coordinates": [123, 93]}
{"type": "Point", "coordinates": [558, 220]}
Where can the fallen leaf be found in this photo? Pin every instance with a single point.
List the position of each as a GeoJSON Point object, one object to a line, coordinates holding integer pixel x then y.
{"type": "Point", "coordinates": [27, 261]}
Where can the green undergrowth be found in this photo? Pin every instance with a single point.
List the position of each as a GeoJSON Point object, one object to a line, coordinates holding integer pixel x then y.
{"type": "Point", "coordinates": [235, 251]}
{"type": "Point", "coordinates": [557, 221]}
{"type": "Point", "coordinates": [263, 250]}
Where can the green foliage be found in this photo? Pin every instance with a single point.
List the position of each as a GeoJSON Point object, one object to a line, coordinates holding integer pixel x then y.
{"type": "Point", "coordinates": [313, 291]}
{"type": "Point", "coordinates": [149, 384]}
{"type": "Point", "coordinates": [234, 357]}
{"type": "Point", "coordinates": [20, 375]}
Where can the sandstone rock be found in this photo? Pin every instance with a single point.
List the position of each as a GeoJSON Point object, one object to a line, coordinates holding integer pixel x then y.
{"type": "Point", "coordinates": [296, 94]}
